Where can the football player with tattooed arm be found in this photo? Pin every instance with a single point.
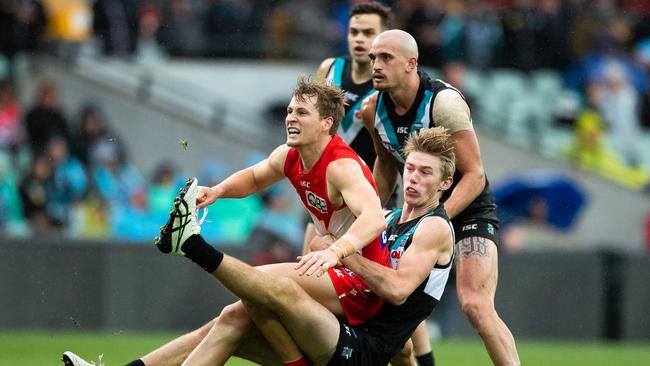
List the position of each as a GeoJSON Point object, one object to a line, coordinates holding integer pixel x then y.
{"type": "Point", "coordinates": [408, 100]}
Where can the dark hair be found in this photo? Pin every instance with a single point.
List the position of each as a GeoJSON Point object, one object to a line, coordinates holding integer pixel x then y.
{"type": "Point", "coordinates": [330, 100]}
{"type": "Point", "coordinates": [373, 7]}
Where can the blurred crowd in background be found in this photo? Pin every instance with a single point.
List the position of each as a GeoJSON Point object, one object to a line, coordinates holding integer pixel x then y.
{"type": "Point", "coordinates": [70, 175]}
{"type": "Point", "coordinates": [519, 34]}
{"type": "Point", "coordinates": [73, 177]}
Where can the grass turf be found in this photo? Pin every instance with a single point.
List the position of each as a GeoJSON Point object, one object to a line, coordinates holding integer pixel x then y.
{"type": "Point", "coordinates": [41, 348]}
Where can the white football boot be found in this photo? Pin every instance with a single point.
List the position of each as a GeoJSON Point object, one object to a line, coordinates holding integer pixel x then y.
{"type": "Point", "coordinates": [70, 359]}
{"type": "Point", "coordinates": [183, 221]}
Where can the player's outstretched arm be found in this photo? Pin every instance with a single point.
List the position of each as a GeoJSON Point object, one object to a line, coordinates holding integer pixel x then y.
{"type": "Point", "coordinates": [385, 169]}
{"type": "Point", "coordinates": [247, 181]}
{"type": "Point", "coordinates": [432, 243]}
{"type": "Point", "coordinates": [451, 111]}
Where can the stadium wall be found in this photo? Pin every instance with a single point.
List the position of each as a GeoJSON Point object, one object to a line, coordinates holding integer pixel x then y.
{"type": "Point", "coordinates": [107, 286]}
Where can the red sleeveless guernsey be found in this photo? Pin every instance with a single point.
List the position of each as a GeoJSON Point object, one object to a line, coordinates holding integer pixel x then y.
{"type": "Point", "coordinates": [358, 302]}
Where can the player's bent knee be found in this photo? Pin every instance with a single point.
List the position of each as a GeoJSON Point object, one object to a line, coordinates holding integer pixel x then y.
{"type": "Point", "coordinates": [477, 311]}
{"type": "Point", "coordinates": [233, 315]}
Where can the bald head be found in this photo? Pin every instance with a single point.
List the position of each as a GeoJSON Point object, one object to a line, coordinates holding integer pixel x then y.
{"type": "Point", "coordinates": [399, 40]}
{"type": "Point", "coordinates": [394, 56]}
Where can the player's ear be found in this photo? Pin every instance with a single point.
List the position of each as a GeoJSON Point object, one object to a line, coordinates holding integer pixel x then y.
{"type": "Point", "coordinates": [329, 121]}
{"type": "Point", "coordinates": [445, 184]}
{"type": "Point", "coordinates": [412, 64]}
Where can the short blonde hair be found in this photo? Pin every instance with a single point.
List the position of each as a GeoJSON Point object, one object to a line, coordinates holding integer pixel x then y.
{"type": "Point", "coordinates": [330, 100]}
{"type": "Point", "coordinates": [435, 141]}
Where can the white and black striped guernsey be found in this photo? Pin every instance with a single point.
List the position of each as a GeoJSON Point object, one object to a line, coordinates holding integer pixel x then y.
{"type": "Point", "coordinates": [351, 128]}
{"type": "Point", "coordinates": [393, 325]}
{"type": "Point", "coordinates": [394, 130]}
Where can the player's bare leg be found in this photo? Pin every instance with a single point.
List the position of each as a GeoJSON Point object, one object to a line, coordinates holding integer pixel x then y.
{"type": "Point", "coordinates": [172, 353]}
{"type": "Point", "coordinates": [231, 334]}
{"type": "Point", "coordinates": [177, 350]}
{"type": "Point", "coordinates": [280, 340]}
{"type": "Point", "coordinates": [476, 283]}
{"type": "Point", "coordinates": [225, 341]}
{"type": "Point", "coordinates": [311, 324]}
{"type": "Point", "coordinates": [314, 328]}
{"type": "Point", "coordinates": [222, 342]}
{"type": "Point", "coordinates": [422, 345]}
{"type": "Point", "coordinates": [319, 288]}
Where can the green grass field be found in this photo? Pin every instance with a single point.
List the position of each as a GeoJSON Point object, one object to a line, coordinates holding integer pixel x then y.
{"type": "Point", "coordinates": [44, 349]}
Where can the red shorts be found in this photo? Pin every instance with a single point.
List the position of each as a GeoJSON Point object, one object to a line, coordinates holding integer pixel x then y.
{"type": "Point", "coordinates": [359, 303]}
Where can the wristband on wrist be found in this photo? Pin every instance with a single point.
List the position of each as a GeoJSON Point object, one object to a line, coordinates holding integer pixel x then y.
{"type": "Point", "coordinates": [342, 248]}
{"type": "Point", "coordinates": [347, 246]}
{"type": "Point", "coordinates": [337, 251]}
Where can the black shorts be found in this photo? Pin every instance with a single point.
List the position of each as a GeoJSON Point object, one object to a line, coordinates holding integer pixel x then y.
{"type": "Point", "coordinates": [476, 227]}
{"type": "Point", "coordinates": [357, 347]}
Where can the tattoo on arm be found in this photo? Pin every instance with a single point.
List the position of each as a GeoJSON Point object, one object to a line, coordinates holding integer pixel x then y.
{"type": "Point", "coordinates": [472, 246]}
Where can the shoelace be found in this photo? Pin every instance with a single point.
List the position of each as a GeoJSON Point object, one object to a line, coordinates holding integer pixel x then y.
{"type": "Point", "coordinates": [202, 220]}
{"type": "Point", "coordinates": [100, 360]}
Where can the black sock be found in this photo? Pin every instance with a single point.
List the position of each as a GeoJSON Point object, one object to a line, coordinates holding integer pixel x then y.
{"type": "Point", "coordinates": [137, 362]}
{"type": "Point", "coordinates": [202, 253]}
{"type": "Point", "coordinates": [426, 359]}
